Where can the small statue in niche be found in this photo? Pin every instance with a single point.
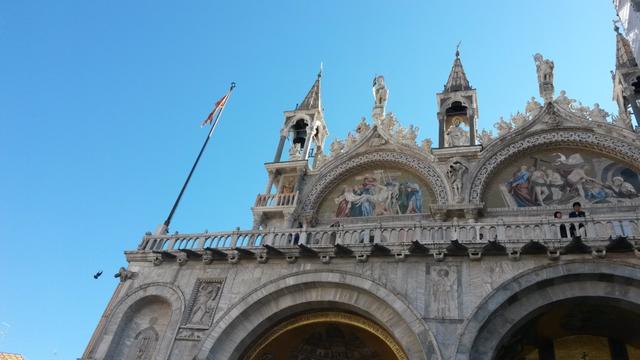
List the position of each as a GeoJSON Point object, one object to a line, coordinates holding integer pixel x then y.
{"type": "Point", "coordinates": [457, 136]}
{"type": "Point", "coordinates": [295, 153]}
{"type": "Point", "coordinates": [598, 114]}
{"type": "Point", "coordinates": [533, 107]}
{"type": "Point", "coordinates": [456, 177]}
{"type": "Point", "coordinates": [144, 344]}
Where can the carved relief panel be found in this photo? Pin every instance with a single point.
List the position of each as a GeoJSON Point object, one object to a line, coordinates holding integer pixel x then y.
{"type": "Point", "coordinates": [201, 308]}
{"type": "Point", "coordinates": [442, 288]}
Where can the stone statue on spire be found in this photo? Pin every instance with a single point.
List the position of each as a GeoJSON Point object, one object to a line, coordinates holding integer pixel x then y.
{"type": "Point", "coordinates": [544, 68]}
{"type": "Point", "coordinates": [380, 95]}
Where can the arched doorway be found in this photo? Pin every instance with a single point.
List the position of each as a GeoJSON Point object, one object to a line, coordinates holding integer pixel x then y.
{"type": "Point", "coordinates": [587, 328]}
{"type": "Point", "coordinates": [326, 335]}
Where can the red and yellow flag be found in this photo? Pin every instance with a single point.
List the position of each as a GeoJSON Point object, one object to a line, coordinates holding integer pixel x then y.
{"type": "Point", "coordinates": [218, 106]}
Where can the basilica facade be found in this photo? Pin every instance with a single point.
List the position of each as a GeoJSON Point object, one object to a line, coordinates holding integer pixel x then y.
{"type": "Point", "coordinates": [386, 246]}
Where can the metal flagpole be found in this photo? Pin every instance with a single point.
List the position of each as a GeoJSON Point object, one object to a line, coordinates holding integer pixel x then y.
{"type": "Point", "coordinates": [165, 226]}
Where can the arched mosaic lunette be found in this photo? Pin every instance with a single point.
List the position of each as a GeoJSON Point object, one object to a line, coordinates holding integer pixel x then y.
{"type": "Point", "coordinates": [327, 180]}
{"type": "Point", "coordinates": [600, 143]}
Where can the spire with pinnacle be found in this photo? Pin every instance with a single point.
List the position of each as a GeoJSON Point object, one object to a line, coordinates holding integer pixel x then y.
{"type": "Point", "coordinates": [624, 54]}
{"type": "Point", "coordinates": [457, 78]}
{"type": "Point", "coordinates": [312, 101]}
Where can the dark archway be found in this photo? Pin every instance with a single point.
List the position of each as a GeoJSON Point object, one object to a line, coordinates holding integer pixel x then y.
{"type": "Point", "coordinates": [580, 327]}
{"type": "Point", "coordinates": [495, 323]}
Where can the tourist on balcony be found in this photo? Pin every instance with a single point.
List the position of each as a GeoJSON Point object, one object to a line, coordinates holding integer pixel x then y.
{"type": "Point", "coordinates": [563, 228]}
{"type": "Point", "coordinates": [576, 213]}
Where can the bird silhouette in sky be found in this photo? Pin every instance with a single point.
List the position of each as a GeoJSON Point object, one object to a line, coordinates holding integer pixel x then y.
{"type": "Point", "coordinates": [97, 275]}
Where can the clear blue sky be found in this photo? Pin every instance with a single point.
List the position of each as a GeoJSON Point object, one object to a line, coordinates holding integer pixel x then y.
{"type": "Point", "coordinates": [101, 101]}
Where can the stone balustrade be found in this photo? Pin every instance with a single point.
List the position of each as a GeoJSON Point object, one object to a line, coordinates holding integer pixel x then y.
{"type": "Point", "coordinates": [496, 237]}
{"type": "Point", "coordinates": [275, 200]}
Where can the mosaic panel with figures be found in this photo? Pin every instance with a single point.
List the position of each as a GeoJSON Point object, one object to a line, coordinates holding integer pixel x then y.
{"type": "Point", "coordinates": [560, 177]}
{"type": "Point", "coordinates": [377, 192]}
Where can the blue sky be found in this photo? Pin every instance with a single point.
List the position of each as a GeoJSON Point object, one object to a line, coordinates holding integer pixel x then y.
{"type": "Point", "coordinates": [101, 101]}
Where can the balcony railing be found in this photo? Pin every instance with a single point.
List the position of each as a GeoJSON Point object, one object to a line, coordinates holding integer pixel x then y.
{"type": "Point", "coordinates": [275, 200]}
{"type": "Point", "coordinates": [595, 232]}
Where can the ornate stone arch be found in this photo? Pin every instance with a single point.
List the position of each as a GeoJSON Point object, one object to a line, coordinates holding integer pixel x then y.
{"type": "Point", "coordinates": [148, 292]}
{"type": "Point", "coordinates": [511, 302]}
{"type": "Point", "coordinates": [601, 143]}
{"type": "Point", "coordinates": [267, 306]}
{"type": "Point", "coordinates": [327, 179]}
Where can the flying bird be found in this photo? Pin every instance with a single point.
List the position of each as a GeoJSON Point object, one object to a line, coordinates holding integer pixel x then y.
{"type": "Point", "coordinates": [97, 275]}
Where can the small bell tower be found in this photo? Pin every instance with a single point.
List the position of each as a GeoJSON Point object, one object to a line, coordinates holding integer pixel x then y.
{"type": "Point", "coordinates": [626, 82]}
{"type": "Point", "coordinates": [457, 109]}
{"type": "Point", "coordinates": [305, 131]}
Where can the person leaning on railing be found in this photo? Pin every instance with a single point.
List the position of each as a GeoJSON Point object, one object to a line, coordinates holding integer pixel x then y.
{"type": "Point", "coordinates": [563, 228]}
{"type": "Point", "coordinates": [576, 213]}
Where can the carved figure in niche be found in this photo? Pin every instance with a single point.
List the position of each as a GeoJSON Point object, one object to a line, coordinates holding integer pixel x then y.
{"type": "Point", "coordinates": [362, 127]}
{"type": "Point", "coordinates": [379, 193]}
{"type": "Point", "coordinates": [456, 177]}
{"type": "Point", "coordinates": [336, 147]}
{"type": "Point", "coordinates": [288, 186]}
{"type": "Point", "coordinates": [144, 343]}
{"type": "Point", "coordinates": [205, 303]}
{"type": "Point", "coordinates": [598, 114]}
{"type": "Point", "coordinates": [518, 119]}
{"type": "Point", "coordinates": [503, 126]}
{"type": "Point", "coordinates": [544, 69]}
{"type": "Point", "coordinates": [444, 291]}
{"type": "Point", "coordinates": [556, 179]}
{"type": "Point", "coordinates": [484, 137]}
{"type": "Point", "coordinates": [533, 107]}
{"type": "Point", "coordinates": [295, 153]}
{"type": "Point", "coordinates": [564, 101]}
{"type": "Point", "coordinates": [456, 135]}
